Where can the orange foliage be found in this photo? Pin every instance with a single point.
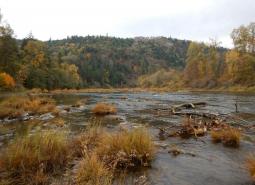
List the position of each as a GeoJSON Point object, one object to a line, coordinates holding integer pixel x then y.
{"type": "Point", "coordinates": [6, 81]}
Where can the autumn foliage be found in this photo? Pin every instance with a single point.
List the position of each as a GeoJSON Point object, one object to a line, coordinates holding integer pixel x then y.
{"type": "Point", "coordinates": [6, 81]}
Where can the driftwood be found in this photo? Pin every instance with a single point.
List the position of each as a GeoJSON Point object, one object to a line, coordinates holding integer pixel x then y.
{"type": "Point", "coordinates": [200, 114]}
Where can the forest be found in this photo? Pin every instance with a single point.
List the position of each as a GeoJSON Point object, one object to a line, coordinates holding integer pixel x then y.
{"type": "Point", "coordinates": [102, 61]}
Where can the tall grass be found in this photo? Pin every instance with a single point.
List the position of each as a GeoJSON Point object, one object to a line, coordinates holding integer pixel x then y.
{"type": "Point", "coordinates": [17, 105]}
{"type": "Point", "coordinates": [87, 141]}
{"type": "Point", "coordinates": [30, 160]}
{"type": "Point", "coordinates": [92, 171]}
{"type": "Point", "coordinates": [127, 149]}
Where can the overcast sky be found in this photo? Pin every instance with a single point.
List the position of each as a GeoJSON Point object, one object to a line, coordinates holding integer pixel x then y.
{"type": "Point", "coordinates": [184, 19]}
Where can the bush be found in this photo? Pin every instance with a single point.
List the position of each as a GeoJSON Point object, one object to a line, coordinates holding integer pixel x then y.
{"type": "Point", "coordinates": [32, 159]}
{"type": "Point", "coordinates": [6, 81]}
{"type": "Point", "coordinates": [104, 108]}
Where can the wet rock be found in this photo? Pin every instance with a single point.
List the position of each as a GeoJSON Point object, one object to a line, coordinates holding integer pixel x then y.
{"type": "Point", "coordinates": [175, 151]}
{"type": "Point", "coordinates": [46, 116]}
{"type": "Point", "coordinates": [162, 145]}
{"type": "Point", "coordinates": [114, 118]}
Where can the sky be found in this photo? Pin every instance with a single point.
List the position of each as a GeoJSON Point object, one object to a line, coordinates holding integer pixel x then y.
{"type": "Point", "coordinates": [198, 20]}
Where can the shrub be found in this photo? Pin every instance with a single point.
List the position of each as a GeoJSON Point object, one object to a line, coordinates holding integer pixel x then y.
{"type": "Point", "coordinates": [250, 163]}
{"type": "Point", "coordinates": [127, 149]}
{"type": "Point", "coordinates": [92, 171]}
{"type": "Point", "coordinates": [6, 81]}
{"type": "Point", "coordinates": [229, 137]}
{"type": "Point", "coordinates": [104, 108]}
{"type": "Point", "coordinates": [30, 160]}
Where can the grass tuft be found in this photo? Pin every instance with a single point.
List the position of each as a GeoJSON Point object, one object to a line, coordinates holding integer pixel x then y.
{"type": "Point", "coordinates": [92, 171]}
{"type": "Point", "coordinates": [104, 108]}
{"type": "Point", "coordinates": [31, 159]}
{"type": "Point", "coordinates": [87, 141]}
{"type": "Point", "coordinates": [127, 149]}
{"type": "Point", "coordinates": [229, 137]}
{"type": "Point", "coordinates": [250, 163]}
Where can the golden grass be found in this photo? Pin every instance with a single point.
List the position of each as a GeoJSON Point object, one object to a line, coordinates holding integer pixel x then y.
{"type": "Point", "coordinates": [127, 149]}
{"type": "Point", "coordinates": [107, 154]}
{"type": "Point", "coordinates": [104, 108]}
{"type": "Point", "coordinates": [59, 122]}
{"type": "Point", "coordinates": [30, 160]}
{"type": "Point", "coordinates": [17, 105]}
{"type": "Point", "coordinates": [229, 137]}
{"type": "Point", "coordinates": [250, 163]}
{"type": "Point", "coordinates": [92, 171]}
{"type": "Point", "coordinates": [87, 140]}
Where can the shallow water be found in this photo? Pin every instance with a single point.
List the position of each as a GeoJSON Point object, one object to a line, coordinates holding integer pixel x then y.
{"type": "Point", "coordinates": [213, 164]}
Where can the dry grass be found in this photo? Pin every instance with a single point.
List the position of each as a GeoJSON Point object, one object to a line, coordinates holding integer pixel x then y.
{"type": "Point", "coordinates": [15, 106]}
{"type": "Point", "coordinates": [92, 171]}
{"type": "Point", "coordinates": [104, 108]}
{"type": "Point", "coordinates": [59, 122]}
{"type": "Point", "coordinates": [87, 141]}
{"type": "Point", "coordinates": [32, 159]}
{"type": "Point", "coordinates": [106, 154]}
{"type": "Point", "coordinates": [250, 163]}
{"type": "Point", "coordinates": [229, 137]}
{"type": "Point", "coordinates": [127, 149]}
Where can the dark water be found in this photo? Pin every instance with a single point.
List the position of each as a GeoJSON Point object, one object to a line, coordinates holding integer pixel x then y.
{"type": "Point", "coordinates": [213, 164]}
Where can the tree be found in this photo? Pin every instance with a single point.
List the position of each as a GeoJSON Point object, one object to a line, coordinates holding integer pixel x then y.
{"type": "Point", "coordinates": [6, 81]}
{"type": "Point", "coordinates": [8, 50]}
{"type": "Point", "coordinates": [244, 38]}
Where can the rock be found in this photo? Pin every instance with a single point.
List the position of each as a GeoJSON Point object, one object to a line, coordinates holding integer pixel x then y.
{"type": "Point", "coordinates": [46, 116]}
{"type": "Point", "coordinates": [175, 151]}
{"type": "Point", "coordinates": [162, 145]}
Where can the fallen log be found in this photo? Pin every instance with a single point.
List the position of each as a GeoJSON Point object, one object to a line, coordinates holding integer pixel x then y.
{"type": "Point", "coordinates": [200, 114]}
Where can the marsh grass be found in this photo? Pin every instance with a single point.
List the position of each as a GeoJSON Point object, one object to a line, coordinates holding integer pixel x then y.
{"type": "Point", "coordinates": [33, 158]}
{"type": "Point", "coordinates": [15, 106]}
{"type": "Point", "coordinates": [104, 109]}
{"type": "Point", "coordinates": [229, 137]}
{"type": "Point", "coordinates": [92, 171]}
{"type": "Point", "coordinates": [88, 140]}
{"type": "Point", "coordinates": [127, 149]}
{"type": "Point", "coordinates": [250, 164]}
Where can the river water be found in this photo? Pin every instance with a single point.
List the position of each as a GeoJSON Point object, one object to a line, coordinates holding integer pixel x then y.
{"type": "Point", "coordinates": [209, 164]}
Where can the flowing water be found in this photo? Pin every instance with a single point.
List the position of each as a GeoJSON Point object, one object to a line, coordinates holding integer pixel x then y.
{"type": "Point", "coordinates": [209, 164]}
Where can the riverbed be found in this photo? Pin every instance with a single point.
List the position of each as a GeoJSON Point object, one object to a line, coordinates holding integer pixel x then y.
{"type": "Point", "coordinates": [203, 163]}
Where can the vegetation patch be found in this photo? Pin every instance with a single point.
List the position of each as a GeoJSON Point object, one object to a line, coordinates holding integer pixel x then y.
{"type": "Point", "coordinates": [127, 149]}
{"type": "Point", "coordinates": [250, 163]}
{"type": "Point", "coordinates": [92, 171]}
{"type": "Point", "coordinates": [106, 154]}
{"type": "Point", "coordinates": [33, 159]}
{"type": "Point", "coordinates": [16, 106]}
{"type": "Point", "coordinates": [228, 136]}
{"type": "Point", "coordinates": [104, 109]}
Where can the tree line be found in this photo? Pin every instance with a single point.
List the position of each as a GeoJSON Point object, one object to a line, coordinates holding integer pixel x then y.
{"type": "Point", "coordinates": [102, 61]}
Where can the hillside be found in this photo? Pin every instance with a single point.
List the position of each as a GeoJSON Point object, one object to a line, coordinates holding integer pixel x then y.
{"type": "Point", "coordinates": [104, 61]}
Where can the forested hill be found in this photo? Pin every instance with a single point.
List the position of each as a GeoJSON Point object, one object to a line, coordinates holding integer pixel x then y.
{"type": "Point", "coordinates": [104, 61]}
